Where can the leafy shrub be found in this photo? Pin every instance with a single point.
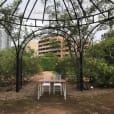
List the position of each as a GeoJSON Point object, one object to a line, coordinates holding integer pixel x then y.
{"type": "Point", "coordinates": [99, 63]}
{"type": "Point", "coordinates": [30, 64]}
{"type": "Point", "coordinates": [8, 65]}
{"type": "Point", "coordinates": [101, 72]}
{"type": "Point", "coordinates": [65, 68]}
{"type": "Point", "coordinates": [48, 62]}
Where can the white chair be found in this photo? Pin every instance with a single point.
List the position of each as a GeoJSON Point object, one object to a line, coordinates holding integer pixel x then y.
{"type": "Point", "coordinates": [46, 85]}
{"type": "Point", "coordinates": [57, 85]}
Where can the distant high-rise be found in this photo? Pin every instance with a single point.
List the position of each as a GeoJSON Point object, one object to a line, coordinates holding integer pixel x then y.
{"type": "Point", "coordinates": [4, 39]}
{"type": "Point", "coordinates": [53, 44]}
{"type": "Point", "coordinates": [33, 44]}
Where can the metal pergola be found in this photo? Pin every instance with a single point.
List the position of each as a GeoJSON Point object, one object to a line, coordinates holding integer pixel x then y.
{"type": "Point", "coordinates": [44, 17]}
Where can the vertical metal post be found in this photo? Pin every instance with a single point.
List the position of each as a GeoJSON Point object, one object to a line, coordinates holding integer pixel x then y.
{"type": "Point", "coordinates": [21, 69]}
{"type": "Point", "coordinates": [80, 59]}
{"type": "Point", "coordinates": [81, 70]}
{"type": "Point", "coordinates": [21, 72]}
{"type": "Point", "coordinates": [17, 71]}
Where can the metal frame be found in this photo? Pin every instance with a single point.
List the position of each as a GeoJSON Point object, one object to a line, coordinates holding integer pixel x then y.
{"type": "Point", "coordinates": [84, 19]}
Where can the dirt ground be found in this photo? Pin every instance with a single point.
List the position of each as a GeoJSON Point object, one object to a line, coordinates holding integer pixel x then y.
{"type": "Point", "coordinates": [97, 101]}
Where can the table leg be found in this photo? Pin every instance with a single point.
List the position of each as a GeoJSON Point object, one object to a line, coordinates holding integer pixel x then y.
{"type": "Point", "coordinates": [38, 91]}
{"type": "Point", "coordinates": [64, 90]}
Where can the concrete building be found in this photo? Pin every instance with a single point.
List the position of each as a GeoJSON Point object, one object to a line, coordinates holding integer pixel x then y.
{"type": "Point", "coordinates": [52, 44]}
{"type": "Point", "coordinates": [5, 42]}
{"type": "Point", "coordinates": [33, 44]}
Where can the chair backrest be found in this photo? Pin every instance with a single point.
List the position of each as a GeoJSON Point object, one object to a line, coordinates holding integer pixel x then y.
{"type": "Point", "coordinates": [46, 79]}
{"type": "Point", "coordinates": [58, 77]}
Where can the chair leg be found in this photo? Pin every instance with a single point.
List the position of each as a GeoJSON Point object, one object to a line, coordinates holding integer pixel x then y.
{"type": "Point", "coordinates": [61, 89]}
{"type": "Point", "coordinates": [42, 90]}
{"type": "Point", "coordinates": [38, 97]}
{"type": "Point", "coordinates": [49, 90]}
{"type": "Point", "coordinates": [54, 90]}
{"type": "Point", "coordinates": [64, 91]}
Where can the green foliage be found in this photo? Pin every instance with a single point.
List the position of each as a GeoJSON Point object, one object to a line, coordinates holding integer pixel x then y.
{"type": "Point", "coordinates": [99, 63]}
{"type": "Point", "coordinates": [108, 34]}
{"type": "Point", "coordinates": [30, 63]}
{"type": "Point", "coordinates": [8, 65]}
{"type": "Point", "coordinates": [48, 61]}
{"type": "Point", "coordinates": [6, 12]}
{"type": "Point", "coordinates": [102, 74]}
{"type": "Point", "coordinates": [103, 50]}
{"type": "Point", "coordinates": [65, 68]}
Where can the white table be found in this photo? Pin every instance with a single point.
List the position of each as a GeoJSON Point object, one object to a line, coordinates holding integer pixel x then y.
{"type": "Point", "coordinates": [40, 82]}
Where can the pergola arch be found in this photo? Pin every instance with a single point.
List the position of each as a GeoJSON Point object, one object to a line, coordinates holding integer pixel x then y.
{"type": "Point", "coordinates": [79, 17]}
{"type": "Point", "coordinates": [106, 14]}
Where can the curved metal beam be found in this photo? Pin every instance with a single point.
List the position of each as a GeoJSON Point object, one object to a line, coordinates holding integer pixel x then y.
{"type": "Point", "coordinates": [32, 9]}
{"type": "Point", "coordinates": [44, 10]}
{"type": "Point", "coordinates": [97, 7]}
{"type": "Point", "coordinates": [16, 7]}
{"type": "Point", "coordinates": [56, 11]}
{"type": "Point", "coordinates": [67, 10]}
{"type": "Point", "coordinates": [73, 8]}
{"type": "Point", "coordinates": [3, 3]}
{"type": "Point", "coordinates": [111, 1]}
{"type": "Point", "coordinates": [83, 11]}
{"type": "Point", "coordinates": [9, 34]}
